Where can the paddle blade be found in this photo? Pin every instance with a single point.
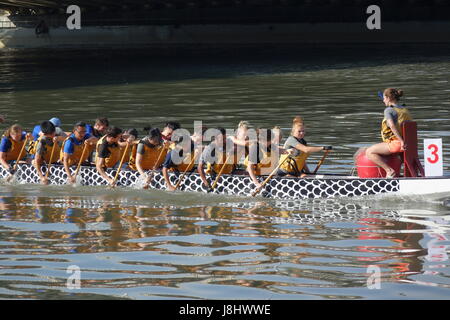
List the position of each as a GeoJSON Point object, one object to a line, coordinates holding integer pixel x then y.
{"type": "Point", "coordinates": [12, 179]}
{"type": "Point", "coordinates": [380, 95]}
{"type": "Point", "coordinates": [78, 181]}
{"type": "Point", "coordinates": [141, 183]}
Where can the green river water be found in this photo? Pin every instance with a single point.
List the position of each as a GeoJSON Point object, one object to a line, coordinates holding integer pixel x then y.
{"type": "Point", "coordinates": [150, 244]}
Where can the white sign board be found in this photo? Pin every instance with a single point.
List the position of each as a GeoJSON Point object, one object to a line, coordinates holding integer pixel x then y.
{"type": "Point", "coordinates": [432, 152]}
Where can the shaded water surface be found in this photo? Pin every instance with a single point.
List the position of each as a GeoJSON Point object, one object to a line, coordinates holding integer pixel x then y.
{"type": "Point", "coordinates": [155, 245]}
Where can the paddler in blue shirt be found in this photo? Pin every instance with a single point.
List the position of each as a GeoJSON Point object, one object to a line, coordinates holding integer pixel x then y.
{"type": "Point", "coordinates": [73, 146]}
{"type": "Point", "coordinates": [11, 145]}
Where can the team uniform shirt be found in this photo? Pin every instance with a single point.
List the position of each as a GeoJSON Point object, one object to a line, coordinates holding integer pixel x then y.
{"type": "Point", "coordinates": [262, 157]}
{"type": "Point", "coordinates": [215, 157]}
{"type": "Point", "coordinates": [69, 145]}
{"type": "Point", "coordinates": [256, 153]}
{"type": "Point", "coordinates": [391, 114]}
{"type": "Point", "coordinates": [40, 148]}
{"type": "Point", "coordinates": [398, 114]}
{"type": "Point", "coordinates": [179, 154]}
{"type": "Point", "coordinates": [104, 151]}
{"type": "Point", "coordinates": [209, 153]}
{"type": "Point", "coordinates": [168, 163]}
{"type": "Point", "coordinates": [291, 142]}
{"type": "Point", "coordinates": [140, 147]}
{"type": "Point", "coordinates": [5, 144]}
{"type": "Point", "coordinates": [296, 163]}
{"type": "Point", "coordinates": [37, 130]}
{"type": "Point", "coordinates": [93, 132]}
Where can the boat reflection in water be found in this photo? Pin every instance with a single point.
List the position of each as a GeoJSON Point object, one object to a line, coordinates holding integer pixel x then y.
{"type": "Point", "coordinates": [128, 247]}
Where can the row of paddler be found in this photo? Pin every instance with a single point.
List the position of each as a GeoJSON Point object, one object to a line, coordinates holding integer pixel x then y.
{"type": "Point", "coordinates": [110, 147]}
{"type": "Point", "coordinates": [50, 144]}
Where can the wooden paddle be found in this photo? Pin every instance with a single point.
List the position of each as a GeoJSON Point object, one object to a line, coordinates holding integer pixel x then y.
{"type": "Point", "coordinates": [79, 162]}
{"type": "Point", "coordinates": [184, 173]}
{"type": "Point", "coordinates": [51, 158]}
{"type": "Point", "coordinates": [321, 161]}
{"type": "Point", "coordinates": [18, 158]}
{"type": "Point", "coordinates": [113, 184]}
{"type": "Point", "coordinates": [220, 173]}
{"type": "Point", "coordinates": [258, 190]}
{"type": "Point", "coordinates": [149, 180]}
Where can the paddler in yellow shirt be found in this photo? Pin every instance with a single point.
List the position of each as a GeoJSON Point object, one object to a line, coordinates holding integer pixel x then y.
{"type": "Point", "coordinates": [218, 156]}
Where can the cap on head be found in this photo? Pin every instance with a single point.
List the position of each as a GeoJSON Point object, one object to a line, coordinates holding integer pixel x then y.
{"type": "Point", "coordinates": [56, 122]}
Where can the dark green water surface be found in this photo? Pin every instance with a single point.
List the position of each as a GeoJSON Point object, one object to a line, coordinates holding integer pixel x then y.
{"type": "Point", "coordinates": [149, 244]}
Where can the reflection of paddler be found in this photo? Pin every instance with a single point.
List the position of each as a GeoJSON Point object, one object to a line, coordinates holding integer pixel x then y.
{"type": "Point", "coordinates": [73, 147]}
{"type": "Point", "coordinates": [47, 149]}
{"type": "Point", "coordinates": [11, 146]}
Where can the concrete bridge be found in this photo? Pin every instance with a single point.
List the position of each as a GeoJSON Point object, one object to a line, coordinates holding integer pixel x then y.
{"type": "Point", "coordinates": [137, 12]}
{"type": "Point", "coordinates": [142, 22]}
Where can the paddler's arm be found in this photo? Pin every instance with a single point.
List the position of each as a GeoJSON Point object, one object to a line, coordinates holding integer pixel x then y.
{"type": "Point", "coordinates": [91, 141]}
{"type": "Point", "coordinates": [60, 138]}
{"type": "Point", "coordinates": [165, 170]}
{"type": "Point", "coordinates": [70, 178]}
{"type": "Point", "coordinates": [306, 169]}
{"type": "Point", "coordinates": [239, 142]}
{"type": "Point", "coordinates": [307, 149]}
{"type": "Point", "coordinates": [100, 165]}
{"type": "Point", "coordinates": [251, 172]}
{"type": "Point", "coordinates": [201, 172]}
{"type": "Point", "coordinates": [38, 160]}
{"type": "Point", "coordinates": [282, 150]}
{"type": "Point", "coordinates": [393, 127]}
{"type": "Point", "coordinates": [5, 146]}
{"type": "Point", "coordinates": [130, 140]}
{"type": "Point", "coordinates": [142, 172]}
{"type": "Point", "coordinates": [3, 161]}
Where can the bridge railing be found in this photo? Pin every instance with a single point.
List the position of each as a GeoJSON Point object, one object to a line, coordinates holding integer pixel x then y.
{"type": "Point", "coordinates": [5, 24]}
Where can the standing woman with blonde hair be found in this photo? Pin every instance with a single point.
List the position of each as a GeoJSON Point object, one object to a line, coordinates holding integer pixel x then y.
{"type": "Point", "coordinates": [11, 145]}
{"type": "Point", "coordinates": [394, 116]}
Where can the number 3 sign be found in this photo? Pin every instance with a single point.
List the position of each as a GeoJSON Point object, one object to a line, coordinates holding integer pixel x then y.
{"type": "Point", "coordinates": [433, 157]}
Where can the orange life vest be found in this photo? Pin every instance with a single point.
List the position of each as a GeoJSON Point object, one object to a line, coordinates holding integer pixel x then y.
{"type": "Point", "coordinates": [16, 147]}
{"type": "Point", "coordinates": [263, 163]}
{"type": "Point", "coordinates": [114, 156]}
{"type": "Point", "coordinates": [152, 157]}
{"type": "Point", "coordinates": [47, 144]}
{"type": "Point", "coordinates": [217, 166]}
{"type": "Point", "coordinates": [75, 157]}
{"type": "Point", "coordinates": [386, 133]}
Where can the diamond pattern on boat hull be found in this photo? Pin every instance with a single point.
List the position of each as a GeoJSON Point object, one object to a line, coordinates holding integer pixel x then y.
{"type": "Point", "coordinates": [277, 188]}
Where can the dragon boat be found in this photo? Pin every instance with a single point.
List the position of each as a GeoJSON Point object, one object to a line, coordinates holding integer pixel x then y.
{"type": "Point", "coordinates": [291, 188]}
{"type": "Point", "coordinates": [413, 181]}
